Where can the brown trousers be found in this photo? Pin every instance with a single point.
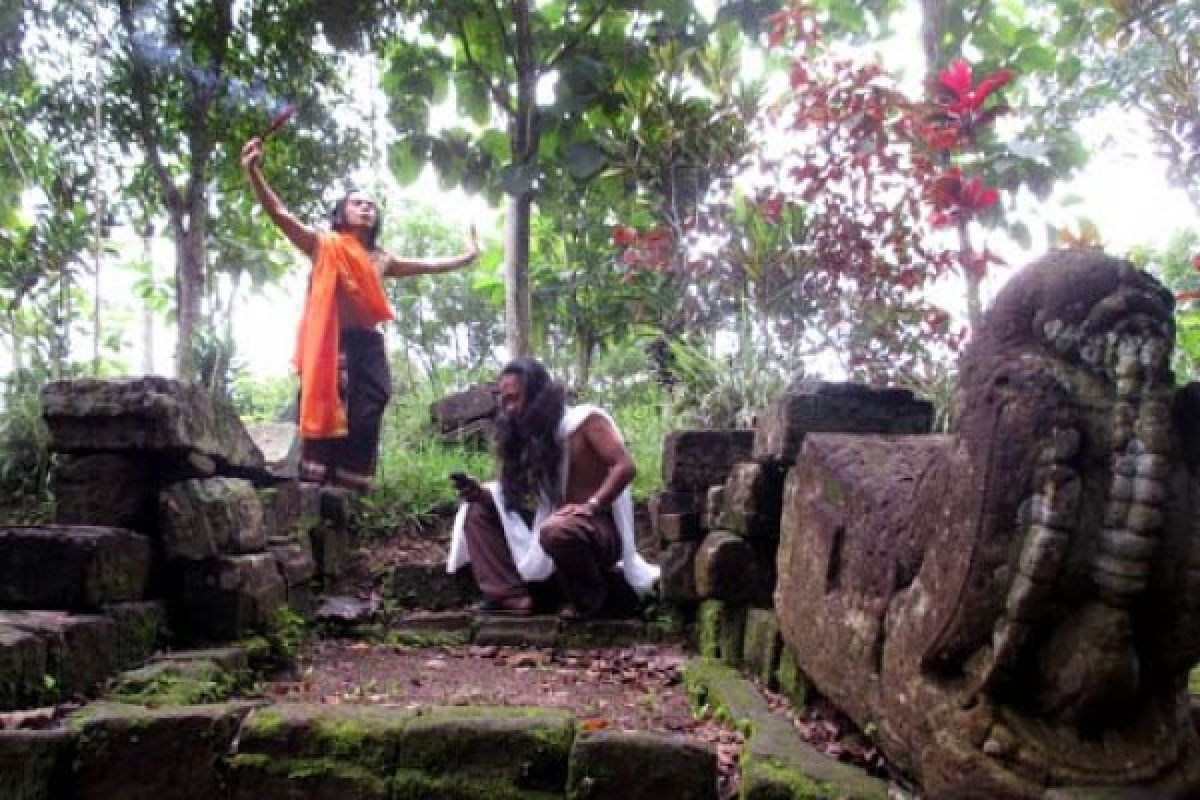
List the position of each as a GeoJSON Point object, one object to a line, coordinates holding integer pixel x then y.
{"type": "Point", "coordinates": [584, 550]}
{"type": "Point", "coordinates": [365, 385]}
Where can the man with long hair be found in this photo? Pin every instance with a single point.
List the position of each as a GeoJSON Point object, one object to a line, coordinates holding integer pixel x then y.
{"type": "Point", "coordinates": [571, 464]}
{"type": "Point", "coordinates": [345, 382]}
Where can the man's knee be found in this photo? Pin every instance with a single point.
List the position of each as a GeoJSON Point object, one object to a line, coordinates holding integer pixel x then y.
{"type": "Point", "coordinates": [558, 531]}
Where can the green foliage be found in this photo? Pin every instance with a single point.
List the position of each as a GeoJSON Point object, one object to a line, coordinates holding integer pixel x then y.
{"type": "Point", "coordinates": [263, 399]}
{"type": "Point", "coordinates": [26, 463]}
{"type": "Point", "coordinates": [1175, 266]}
{"type": "Point", "coordinates": [412, 486]}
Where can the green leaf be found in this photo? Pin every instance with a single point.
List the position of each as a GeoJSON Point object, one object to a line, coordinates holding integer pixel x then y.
{"type": "Point", "coordinates": [585, 160]}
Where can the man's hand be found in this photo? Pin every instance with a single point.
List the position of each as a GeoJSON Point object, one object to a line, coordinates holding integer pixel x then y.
{"type": "Point", "coordinates": [576, 510]}
{"type": "Point", "coordinates": [472, 244]}
{"type": "Point", "coordinates": [252, 153]}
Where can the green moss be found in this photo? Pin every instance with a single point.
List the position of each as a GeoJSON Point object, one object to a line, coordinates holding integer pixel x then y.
{"type": "Point", "coordinates": [709, 619]}
{"type": "Point", "coordinates": [416, 785]}
{"type": "Point", "coordinates": [416, 640]}
{"type": "Point", "coordinates": [1194, 681]}
{"type": "Point", "coordinates": [313, 770]}
{"type": "Point", "coordinates": [768, 779]}
{"type": "Point", "coordinates": [265, 723]}
{"type": "Point", "coordinates": [175, 684]}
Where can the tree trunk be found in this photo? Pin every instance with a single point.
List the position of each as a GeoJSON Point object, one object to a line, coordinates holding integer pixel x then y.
{"type": "Point", "coordinates": [189, 260]}
{"type": "Point", "coordinates": [518, 324]}
{"type": "Point", "coordinates": [517, 320]}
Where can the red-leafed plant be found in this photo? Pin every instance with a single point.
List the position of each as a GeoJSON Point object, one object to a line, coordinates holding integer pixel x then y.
{"type": "Point", "coordinates": [959, 112]}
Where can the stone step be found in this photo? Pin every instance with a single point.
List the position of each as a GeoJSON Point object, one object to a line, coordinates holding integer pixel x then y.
{"type": "Point", "coordinates": [775, 761]}
{"type": "Point", "coordinates": [429, 587]}
{"type": "Point", "coordinates": [349, 751]}
{"type": "Point", "coordinates": [46, 656]}
{"type": "Point", "coordinates": [71, 567]}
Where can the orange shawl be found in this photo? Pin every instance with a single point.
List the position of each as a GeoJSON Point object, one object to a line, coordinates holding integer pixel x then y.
{"type": "Point", "coordinates": [341, 262]}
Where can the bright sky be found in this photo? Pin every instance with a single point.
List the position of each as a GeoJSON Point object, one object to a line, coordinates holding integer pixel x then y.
{"type": "Point", "coordinates": [1123, 191]}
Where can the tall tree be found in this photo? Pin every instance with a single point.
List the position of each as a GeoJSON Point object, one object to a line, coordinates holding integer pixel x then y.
{"type": "Point", "coordinates": [538, 80]}
{"type": "Point", "coordinates": [185, 84]}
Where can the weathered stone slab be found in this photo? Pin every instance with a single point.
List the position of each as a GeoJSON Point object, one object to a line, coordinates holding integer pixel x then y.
{"type": "Point", "coordinates": [81, 650]}
{"type": "Point", "coordinates": [209, 517]}
{"type": "Point", "coordinates": [714, 504]}
{"type": "Point", "coordinates": [727, 569]}
{"type": "Point", "coordinates": [331, 549]}
{"type": "Point", "coordinates": [537, 631]}
{"type": "Point", "coordinates": [117, 744]}
{"type": "Point", "coordinates": [678, 578]}
{"type": "Point", "coordinates": [255, 777]}
{"type": "Point", "coordinates": [291, 509]}
{"type": "Point", "coordinates": [429, 586]}
{"type": "Point", "coordinates": [22, 668]}
{"type": "Point", "coordinates": [172, 683]}
{"type": "Point", "coordinates": [34, 764]}
{"type": "Point", "coordinates": [679, 527]}
{"type": "Point", "coordinates": [676, 503]}
{"type": "Point", "coordinates": [697, 459]}
{"type": "Point", "coordinates": [525, 748]}
{"type": "Point", "coordinates": [108, 489]}
{"type": "Point", "coordinates": [775, 763]}
{"type": "Point", "coordinates": [455, 411]}
{"type": "Point", "coordinates": [627, 765]}
{"type": "Point", "coordinates": [279, 442]}
{"type": "Point", "coordinates": [296, 564]}
{"type": "Point", "coordinates": [139, 627]}
{"type": "Point", "coordinates": [477, 434]}
{"type": "Point", "coordinates": [753, 497]}
{"type": "Point", "coordinates": [825, 407]}
{"type": "Point", "coordinates": [147, 414]}
{"type": "Point", "coordinates": [232, 596]}
{"type": "Point", "coordinates": [762, 645]}
{"type": "Point", "coordinates": [68, 567]}
{"type": "Point", "coordinates": [232, 659]}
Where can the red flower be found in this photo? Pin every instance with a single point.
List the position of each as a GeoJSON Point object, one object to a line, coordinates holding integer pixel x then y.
{"type": "Point", "coordinates": [623, 236]}
{"type": "Point", "coordinates": [954, 199]}
{"type": "Point", "coordinates": [959, 106]}
{"type": "Point", "coordinates": [1196, 262]}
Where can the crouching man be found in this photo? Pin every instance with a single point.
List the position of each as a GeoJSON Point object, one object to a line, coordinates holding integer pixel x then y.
{"type": "Point", "coordinates": [572, 465]}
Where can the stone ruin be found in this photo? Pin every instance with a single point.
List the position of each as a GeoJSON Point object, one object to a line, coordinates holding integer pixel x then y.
{"type": "Point", "coordinates": [1011, 609]}
{"type": "Point", "coordinates": [168, 518]}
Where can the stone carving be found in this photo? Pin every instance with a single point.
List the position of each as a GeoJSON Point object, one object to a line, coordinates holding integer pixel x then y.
{"type": "Point", "coordinates": [1015, 607]}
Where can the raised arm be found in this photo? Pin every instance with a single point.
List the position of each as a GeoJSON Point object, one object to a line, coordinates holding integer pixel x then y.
{"type": "Point", "coordinates": [299, 234]}
{"type": "Point", "coordinates": [400, 267]}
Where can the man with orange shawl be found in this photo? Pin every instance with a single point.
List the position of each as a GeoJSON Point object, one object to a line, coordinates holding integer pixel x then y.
{"type": "Point", "coordinates": [345, 382]}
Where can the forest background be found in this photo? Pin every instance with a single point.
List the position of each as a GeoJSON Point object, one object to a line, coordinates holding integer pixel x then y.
{"type": "Point", "coordinates": [685, 205]}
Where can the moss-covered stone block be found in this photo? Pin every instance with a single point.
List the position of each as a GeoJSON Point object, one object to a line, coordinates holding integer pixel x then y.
{"type": "Point", "coordinates": [140, 627]}
{"type": "Point", "coordinates": [173, 683]}
{"type": "Point", "coordinates": [360, 736]}
{"type": "Point", "coordinates": [791, 680]}
{"type": "Point", "coordinates": [527, 748]}
{"type": "Point", "coordinates": [710, 617]}
{"type": "Point", "coordinates": [762, 645]}
{"type": "Point", "coordinates": [623, 765]}
{"type": "Point", "coordinates": [22, 667]}
{"type": "Point", "coordinates": [256, 777]}
{"type": "Point", "coordinates": [137, 753]}
{"type": "Point", "coordinates": [417, 785]}
{"type": "Point", "coordinates": [776, 764]}
{"type": "Point", "coordinates": [732, 635]}
{"type": "Point", "coordinates": [33, 764]}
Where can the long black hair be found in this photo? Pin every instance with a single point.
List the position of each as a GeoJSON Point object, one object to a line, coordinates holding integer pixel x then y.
{"type": "Point", "coordinates": [338, 217]}
{"type": "Point", "coordinates": [527, 443]}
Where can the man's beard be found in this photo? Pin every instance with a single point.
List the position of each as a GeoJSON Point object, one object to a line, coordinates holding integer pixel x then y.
{"type": "Point", "coordinates": [529, 451]}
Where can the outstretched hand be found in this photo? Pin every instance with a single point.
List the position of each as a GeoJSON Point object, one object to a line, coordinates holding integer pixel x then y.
{"type": "Point", "coordinates": [252, 153]}
{"type": "Point", "coordinates": [472, 242]}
